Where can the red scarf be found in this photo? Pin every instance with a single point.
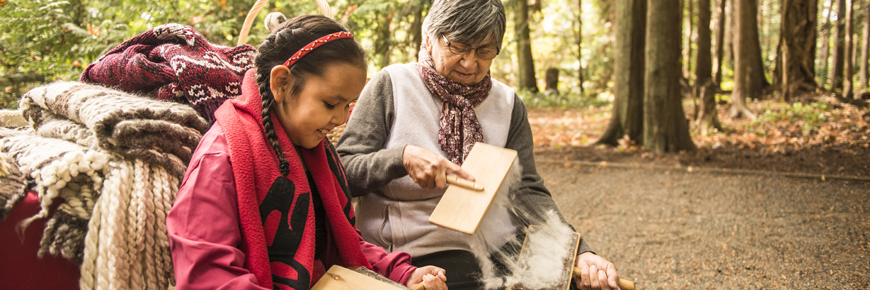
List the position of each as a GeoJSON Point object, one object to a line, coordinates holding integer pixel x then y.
{"type": "Point", "coordinates": [276, 212]}
{"type": "Point", "coordinates": [460, 128]}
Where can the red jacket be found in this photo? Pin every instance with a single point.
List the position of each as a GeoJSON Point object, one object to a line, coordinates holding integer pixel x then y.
{"type": "Point", "coordinates": [204, 231]}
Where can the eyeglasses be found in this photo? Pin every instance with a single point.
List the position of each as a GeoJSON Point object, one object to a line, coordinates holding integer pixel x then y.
{"type": "Point", "coordinates": [485, 53]}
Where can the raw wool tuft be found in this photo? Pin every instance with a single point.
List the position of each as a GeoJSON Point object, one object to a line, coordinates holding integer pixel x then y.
{"type": "Point", "coordinates": [157, 132]}
{"type": "Point", "coordinates": [497, 229]}
{"type": "Point", "coordinates": [12, 185]}
{"type": "Point", "coordinates": [496, 242]}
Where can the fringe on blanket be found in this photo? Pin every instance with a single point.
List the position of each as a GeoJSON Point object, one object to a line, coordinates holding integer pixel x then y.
{"type": "Point", "coordinates": [116, 160]}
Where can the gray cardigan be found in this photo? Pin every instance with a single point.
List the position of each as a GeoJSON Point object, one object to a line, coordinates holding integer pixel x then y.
{"type": "Point", "coordinates": [370, 167]}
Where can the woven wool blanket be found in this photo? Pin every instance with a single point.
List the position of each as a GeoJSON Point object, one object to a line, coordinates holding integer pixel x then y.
{"type": "Point", "coordinates": [158, 132]}
{"type": "Point", "coordinates": [113, 217]}
{"type": "Point", "coordinates": [58, 168]}
{"type": "Point", "coordinates": [174, 62]}
{"type": "Point", "coordinates": [12, 185]}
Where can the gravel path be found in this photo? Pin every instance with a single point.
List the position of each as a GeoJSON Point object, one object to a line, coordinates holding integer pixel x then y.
{"type": "Point", "coordinates": [677, 230]}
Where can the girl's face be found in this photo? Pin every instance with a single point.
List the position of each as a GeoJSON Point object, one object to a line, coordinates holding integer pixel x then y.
{"type": "Point", "coordinates": [321, 104]}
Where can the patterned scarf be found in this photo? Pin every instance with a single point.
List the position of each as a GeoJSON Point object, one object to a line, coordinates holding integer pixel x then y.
{"type": "Point", "coordinates": [460, 128]}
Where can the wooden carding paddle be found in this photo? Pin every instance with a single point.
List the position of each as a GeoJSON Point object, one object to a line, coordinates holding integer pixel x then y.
{"type": "Point", "coordinates": [568, 260]}
{"type": "Point", "coordinates": [341, 278]}
{"type": "Point", "coordinates": [462, 209]}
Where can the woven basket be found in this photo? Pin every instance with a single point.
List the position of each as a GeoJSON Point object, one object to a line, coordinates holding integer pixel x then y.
{"type": "Point", "coordinates": [323, 6]}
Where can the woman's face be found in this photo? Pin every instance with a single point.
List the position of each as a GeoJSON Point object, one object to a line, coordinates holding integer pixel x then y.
{"type": "Point", "coordinates": [321, 104]}
{"type": "Point", "coordinates": [465, 69]}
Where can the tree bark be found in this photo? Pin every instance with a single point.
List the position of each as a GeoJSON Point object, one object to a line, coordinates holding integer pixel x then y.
{"type": "Point", "coordinates": [706, 119]}
{"type": "Point", "coordinates": [628, 65]}
{"type": "Point", "coordinates": [580, 45]}
{"type": "Point", "coordinates": [748, 75]}
{"type": "Point", "coordinates": [794, 70]}
{"type": "Point", "coordinates": [665, 128]}
{"type": "Point", "coordinates": [526, 70]}
{"type": "Point", "coordinates": [687, 61]}
{"type": "Point", "coordinates": [826, 46]}
{"type": "Point", "coordinates": [865, 42]}
{"type": "Point", "coordinates": [847, 75]}
{"type": "Point", "coordinates": [720, 42]}
{"type": "Point", "coordinates": [836, 72]}
{"type": "Point", "coordinates": [416, 29]}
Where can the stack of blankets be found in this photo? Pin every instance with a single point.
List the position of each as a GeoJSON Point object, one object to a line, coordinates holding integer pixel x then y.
{"type": "Point", "coordinates": [113, 156]}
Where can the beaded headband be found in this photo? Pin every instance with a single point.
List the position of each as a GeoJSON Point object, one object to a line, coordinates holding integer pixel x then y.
{"type": "Point", "coordinates": [315, 44]}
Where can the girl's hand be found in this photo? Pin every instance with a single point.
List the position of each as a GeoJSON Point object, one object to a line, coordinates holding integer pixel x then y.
{"type": "Point", "coordinates": [428, 169]}
{"type": "Point", "coordinates": [432, 278]}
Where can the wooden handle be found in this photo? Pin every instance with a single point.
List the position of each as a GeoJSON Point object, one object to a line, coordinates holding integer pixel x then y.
{"type": "Point", "coordinates": [464, 183]}
{"type": "Point", "coordinates": [419, 286]}
{"type": "Point", "coordinates": [622, 283]}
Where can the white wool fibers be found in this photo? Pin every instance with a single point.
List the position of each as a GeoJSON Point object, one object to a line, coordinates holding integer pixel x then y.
{"type": "Point", "coordinates": [545, 251]}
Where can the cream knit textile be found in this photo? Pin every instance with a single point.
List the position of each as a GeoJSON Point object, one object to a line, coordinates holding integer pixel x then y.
{"type": "Point", "coordinates": [159, 132]}
{"type": "Point", "coordinates": [116, 159]}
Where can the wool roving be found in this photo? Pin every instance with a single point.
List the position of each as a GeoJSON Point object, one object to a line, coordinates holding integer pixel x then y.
{"type": "Point", "coordinates": [158, 132]}
{"type": "Point", "coordinates": [174, 62]}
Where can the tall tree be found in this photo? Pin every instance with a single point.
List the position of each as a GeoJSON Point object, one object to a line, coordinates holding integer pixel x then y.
{"type": "Point", "coordinates": [794, 70]}
{"type": "Point", "coordinates": [836, 72]}
{"type": "Point", "coordinates": [628, 65]}
{"type": "Point", "coordinates": [526, 71]}
{"type": "Point", "coordinates": [687, 58]}
{"type": "Point", "coordinates": [865, 42]}
{"type": "Point", "coordinates": [720, 42]}
{"type": "Point", "coordinates": [825, 31]}
{"type": "Point", "coordinates": [579, 37]}
{"type": "Point", "coordinates": [383, 43]}
{"type": "Point", "coordinates": [704, 88]}
{"type": "Point", "coordinates": [748, 74]}
{"type": "Point", "coordinates": [847, 77]}
{"type": "Point", "coordinates": [665, 128]}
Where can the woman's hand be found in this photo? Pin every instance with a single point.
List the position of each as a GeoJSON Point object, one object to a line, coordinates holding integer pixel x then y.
{"type": "Point", "coordinates": [432, 278]}
{"type": "Point", "coordinates": [428, 169]}
{"type": "Point", "coordinates": [597, 273]}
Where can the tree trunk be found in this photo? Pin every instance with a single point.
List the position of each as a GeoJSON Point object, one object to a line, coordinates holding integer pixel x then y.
{"type": "Point", "coordinates": [836, 72]}
{"type": "Point", "coordinates": [580, 45]}
{"type": "Point", "coordinates": [551, 80]}
{"type": "Point", "coordinates": [794, 70]}
{"type": "Point", "coordinates": [628, 65]}
{"type": "Point", "coordinates": [665, 128]}
{"type": "Point", "coordinates": [383, 43]}
{"type": "Point", "coordinates": [703, 58]}
{"type": "Point", "coordinates": [847, 75]}
{"type": "Point", "coordinates": [526, 78]}
{"type": "Point", "coordinates": [748, 75]}
{"type": "Point", "coordinates": [865, 42]}
{"type": "Point", "coordinates": [704, 89]}
{"type": "Point", "coordinates": [416, 29]}
{"type": "Point", "coordinates": [687, 61]}
{"type": "Point", "coordinates": [826, 46]}
{"type": "Point", "coordinates": [729, 37]}
{"type": "Point", "coordinates": [720, 42]}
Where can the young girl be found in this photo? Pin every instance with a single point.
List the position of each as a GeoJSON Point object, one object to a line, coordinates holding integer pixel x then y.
{"type": "Point", "coordinates": [264, 203]}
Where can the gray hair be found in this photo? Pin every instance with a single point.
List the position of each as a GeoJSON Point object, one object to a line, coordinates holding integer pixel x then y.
{"type": "Point", "coordinates": [469, 22]}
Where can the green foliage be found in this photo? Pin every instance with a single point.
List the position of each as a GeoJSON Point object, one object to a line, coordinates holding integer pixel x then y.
{"type": "Point", "coordinates": [811, 115]}
{"type": "Point", "coordinates": [567, 100]}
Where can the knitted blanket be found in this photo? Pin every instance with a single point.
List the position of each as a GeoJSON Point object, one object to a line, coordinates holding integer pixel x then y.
{"type": "Point", "coordinates": [174, 62]}
{"type": "Point", "coordinates": [113, 217]}
{"type": "Point", "coordinates": [162, 133]}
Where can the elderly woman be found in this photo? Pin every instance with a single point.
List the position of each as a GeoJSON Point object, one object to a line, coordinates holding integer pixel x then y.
{"type": "Point", "coordinates": [416, 122]}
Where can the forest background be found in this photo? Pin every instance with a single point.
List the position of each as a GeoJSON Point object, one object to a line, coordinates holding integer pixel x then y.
{"type": "Point", "coordinates": [671, 76]}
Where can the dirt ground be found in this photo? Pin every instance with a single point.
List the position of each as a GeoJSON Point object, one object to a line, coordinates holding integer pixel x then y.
{"type": "Point", "coordinates": [749, 226]}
